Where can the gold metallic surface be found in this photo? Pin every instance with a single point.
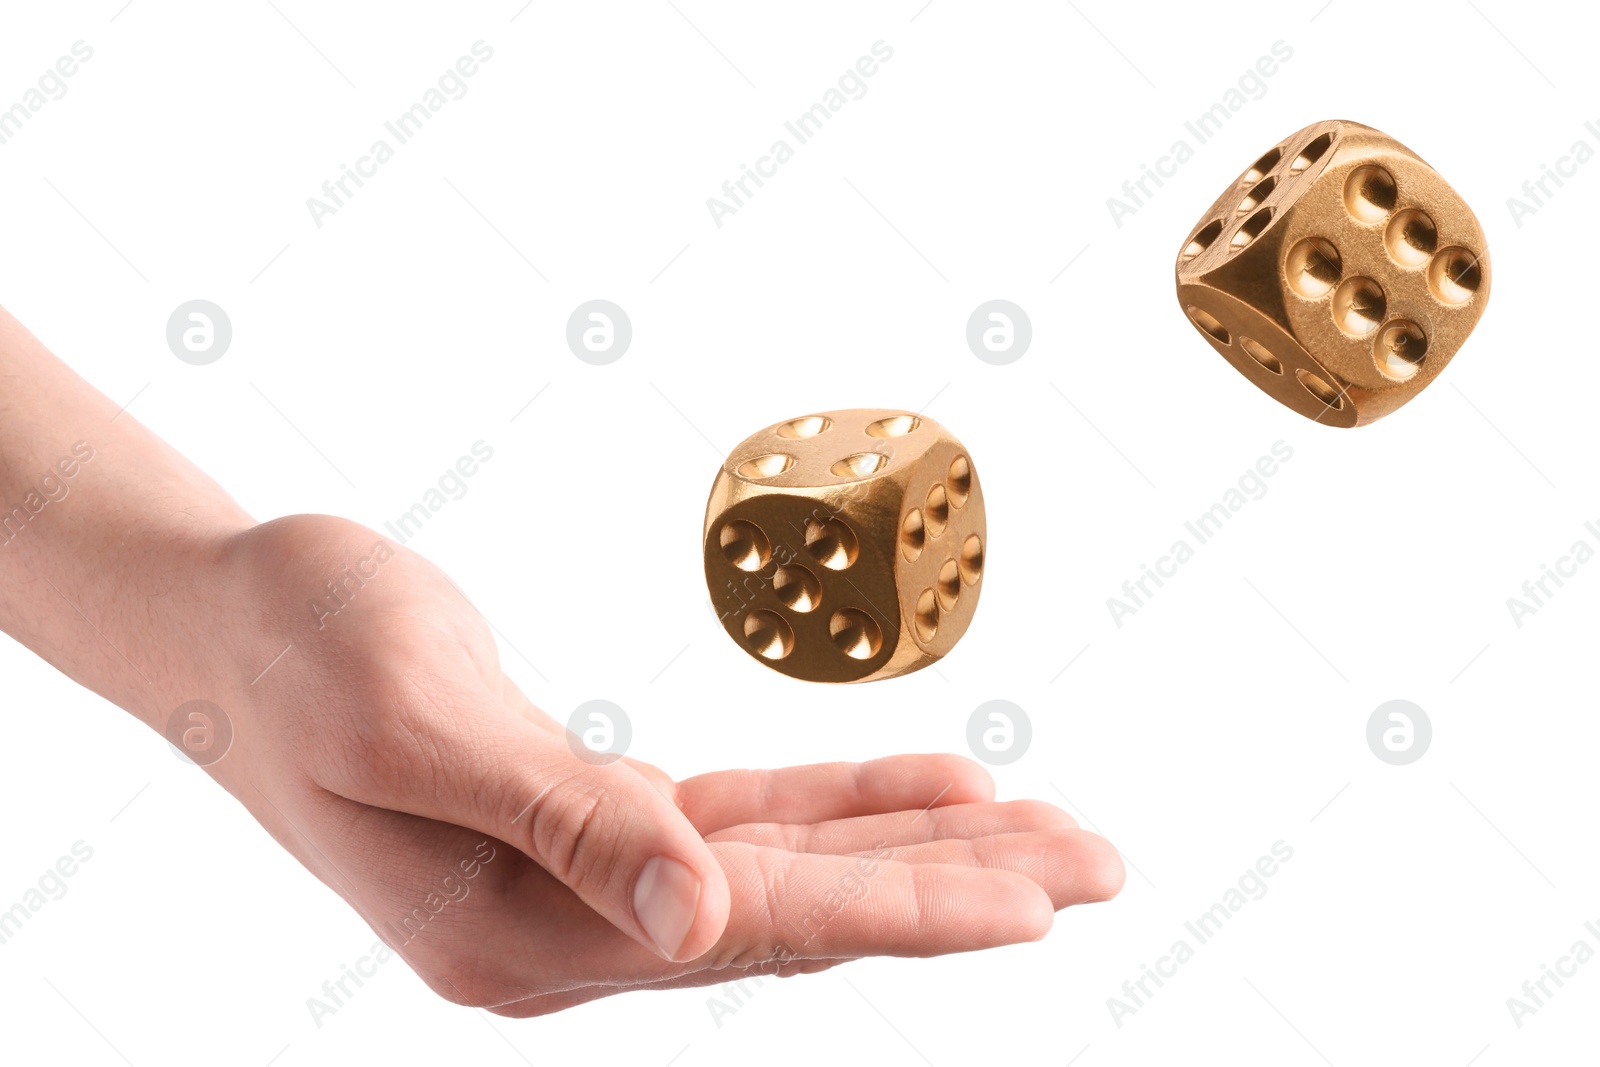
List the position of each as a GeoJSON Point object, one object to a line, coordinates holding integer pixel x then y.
{"type": "Point", "coordinates": [846, 546]}
{"type": "Point", "coordinates": [1339, 273]}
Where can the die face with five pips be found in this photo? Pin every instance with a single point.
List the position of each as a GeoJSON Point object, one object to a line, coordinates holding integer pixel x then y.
{"type": "Point", "coordinates": [1339, 273]}
{"type": "Point", "coordinates": [846, 546]}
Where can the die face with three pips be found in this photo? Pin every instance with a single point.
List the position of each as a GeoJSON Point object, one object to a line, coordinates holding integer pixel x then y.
{"type": "Point", "coordinates": [1339, 273]}
{"type": "Point", "coordinates": [846, 546]}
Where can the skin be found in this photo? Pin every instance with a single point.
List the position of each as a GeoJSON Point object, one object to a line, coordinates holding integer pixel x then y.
{"type": "Point", "coordinates": [388, 752]}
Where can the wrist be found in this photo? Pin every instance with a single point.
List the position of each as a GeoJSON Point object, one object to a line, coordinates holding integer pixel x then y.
{"type": "Point", "coordinates": [140, 624]}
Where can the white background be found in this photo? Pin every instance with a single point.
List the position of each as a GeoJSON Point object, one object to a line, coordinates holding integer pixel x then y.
{"type": "Point", "coordinates": [1228, 714]}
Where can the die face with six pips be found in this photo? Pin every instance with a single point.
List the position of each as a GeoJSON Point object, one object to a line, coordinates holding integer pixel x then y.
{"type": "Point", "coordinates": [846, 546]}
{"type": "Point", "coordinates": [1339, 273]}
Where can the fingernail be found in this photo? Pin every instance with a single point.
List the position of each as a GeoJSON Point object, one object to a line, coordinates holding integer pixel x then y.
{"type": "Point", "coordinates": [665, 901]}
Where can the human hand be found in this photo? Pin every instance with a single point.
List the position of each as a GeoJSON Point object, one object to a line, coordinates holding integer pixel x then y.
{"type": "Point", "coordinates": [391, 755]}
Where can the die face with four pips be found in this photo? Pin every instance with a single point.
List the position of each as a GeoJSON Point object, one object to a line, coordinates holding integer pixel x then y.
{"type": "Point", "coordinates": [846, 546]}
{"type": "Point", "coordinates": [1339, 273]}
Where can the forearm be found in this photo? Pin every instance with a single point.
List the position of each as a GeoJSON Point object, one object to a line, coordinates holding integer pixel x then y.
{"type": "Point", "coordinates": [103, 530]}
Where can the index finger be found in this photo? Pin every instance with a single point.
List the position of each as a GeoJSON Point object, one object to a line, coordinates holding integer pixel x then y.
{"type": "Point", "coordinates": [820, 792]}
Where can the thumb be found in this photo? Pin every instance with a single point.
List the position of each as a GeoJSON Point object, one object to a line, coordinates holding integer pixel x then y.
{"type": "Point", "coordinates": [601, 828]}
{"type": "Point", "coordinates": [613, 838]}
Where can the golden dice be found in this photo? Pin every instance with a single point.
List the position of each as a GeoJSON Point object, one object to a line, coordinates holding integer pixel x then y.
{"type": "Point", "coordinates": [846, 546]}
{"type": "Point", "coordinates": [1339, 273]}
